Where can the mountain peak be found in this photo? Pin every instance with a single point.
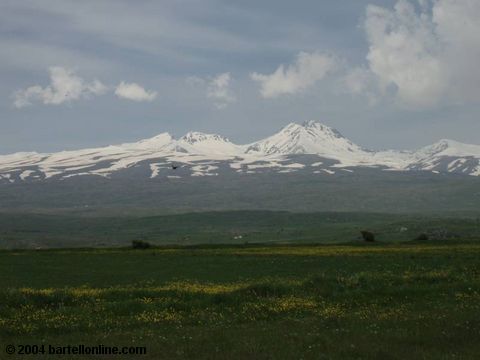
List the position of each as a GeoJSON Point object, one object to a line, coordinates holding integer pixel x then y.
{"type": "Point", "coordinates": [311, 137]}
{"type": "Point", "coordinates": [198, 142]}
{"type": "Point", "coordinates": [448, 147]}
{"type": "Point", "coordinates": [312, 126]}
{"type": "Point", "coordinates": [155, 142]}
{"type": "Point", "coordinates": [193, 137]}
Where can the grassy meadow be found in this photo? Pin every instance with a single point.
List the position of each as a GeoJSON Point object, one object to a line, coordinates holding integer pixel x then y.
{"type": "Point", "coordinates": [114, 229]}
{"type": "Point", "coordinates": [410, 300]}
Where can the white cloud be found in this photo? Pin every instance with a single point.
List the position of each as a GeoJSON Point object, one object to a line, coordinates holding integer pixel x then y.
{"type": "Point", "coordinates": [135, 92]}
{"type": "Point", "coordinates": [218, 89]}
{"type": "Point", "coordinates": [356, 80]}
{"type": "Point", "coordinates": [360, 81]}
{"type": "Point", "coordinates": [64, 86]}
{"type": "Point", "coordinates": [429, 56]}
{"type": "Point", "coordinates": [458, 27]}
{"type": "Point", "coordinates": [306, 71]}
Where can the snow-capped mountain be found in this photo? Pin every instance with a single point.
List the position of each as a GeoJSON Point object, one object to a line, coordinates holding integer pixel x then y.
{"type": "Point", "coordinates": [309, 147]}
{"type": "Point", "coordinates": [200, 143]}
{"type": "Point", "coordinates": [448, 156]}
{"type": "Point", "coordinates": [309, 138]}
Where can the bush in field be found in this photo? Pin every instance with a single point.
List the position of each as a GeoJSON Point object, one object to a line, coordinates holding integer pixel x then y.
{"type": "Point", "coordinates": [368, 236]}
{"type": "Point", "coordinates": [140, 244]}
{"type": "Point", "coordinates": [422, 236]}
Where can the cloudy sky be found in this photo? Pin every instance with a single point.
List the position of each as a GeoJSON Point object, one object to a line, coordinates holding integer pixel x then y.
{"type": "Point", "coordinates": [386, 73]}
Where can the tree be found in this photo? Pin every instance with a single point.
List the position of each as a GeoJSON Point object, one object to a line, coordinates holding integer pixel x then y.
{"type": "Point", "coordinates": [139, 244]}
{"type": "Point", "coordinates": [368, 236]}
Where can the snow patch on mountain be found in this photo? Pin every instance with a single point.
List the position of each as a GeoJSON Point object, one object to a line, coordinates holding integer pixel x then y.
{"type": "Point", "coordinates": [309, 138]}
{"type": "Point", "coordinates": [197, 142]}
{"type": "Point", "coordinates": [447, 147]}
{"type": "Point", "coordinates": [310, 146]}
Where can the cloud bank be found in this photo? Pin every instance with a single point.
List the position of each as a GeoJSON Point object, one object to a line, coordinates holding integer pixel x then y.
{"type": "Point", "coordinates": [64, 86]}
{"type": "Point", "coordinates": [421, 54]}
{"type": "Point", "coordinates": [306, 71]}
{"type": "Point", "coordinates": [428, 56]}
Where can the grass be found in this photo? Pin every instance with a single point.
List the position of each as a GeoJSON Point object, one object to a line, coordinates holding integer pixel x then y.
{"type": "Point", "coordinates": [380, 301]}
{"type": "Point", "coordinates": [30, 230]}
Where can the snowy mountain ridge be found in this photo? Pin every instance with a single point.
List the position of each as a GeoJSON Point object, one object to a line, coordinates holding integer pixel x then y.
{"type": "Point", "coordinates": [311, 147]}
{"type": "Point", "coordinates": [309, 138]}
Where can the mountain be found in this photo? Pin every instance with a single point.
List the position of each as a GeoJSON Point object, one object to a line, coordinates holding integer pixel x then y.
{"type": "Point", "coordinates": [310, 147]}
{"type": "Point", "coordinates": [200, 143]}
{"type": "Point", "coordinates": [309, 138]}
{"type": "Point", "coordinates": [448, 156]}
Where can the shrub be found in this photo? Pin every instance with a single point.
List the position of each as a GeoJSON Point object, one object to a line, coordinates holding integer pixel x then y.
{"type": "Point", "coordinates": [422, 236]}
{"type": "Point", "coordinates": [367, 236]}
{"type": "Point", "coordinates": [140, 244]}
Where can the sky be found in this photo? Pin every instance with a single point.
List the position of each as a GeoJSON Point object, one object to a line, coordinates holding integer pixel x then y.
{"type": "Point", "coordinates": [397, 74]}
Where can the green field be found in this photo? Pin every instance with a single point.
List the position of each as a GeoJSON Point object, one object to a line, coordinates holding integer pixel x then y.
{"type": "Point", "coordinates": [116, 229]}
{"type": "Point", "coordinates": [359, 301]}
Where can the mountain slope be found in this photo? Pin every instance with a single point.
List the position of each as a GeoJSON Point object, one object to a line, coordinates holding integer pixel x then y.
{"type": "Point", "coordinates": [200, 143]}
{"type": "Point", "coordinates": [311, 148]}
{"type": "Point", "coordinates": [448, 156]}
{"type": "Point", "coordinates": [309, 138]}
